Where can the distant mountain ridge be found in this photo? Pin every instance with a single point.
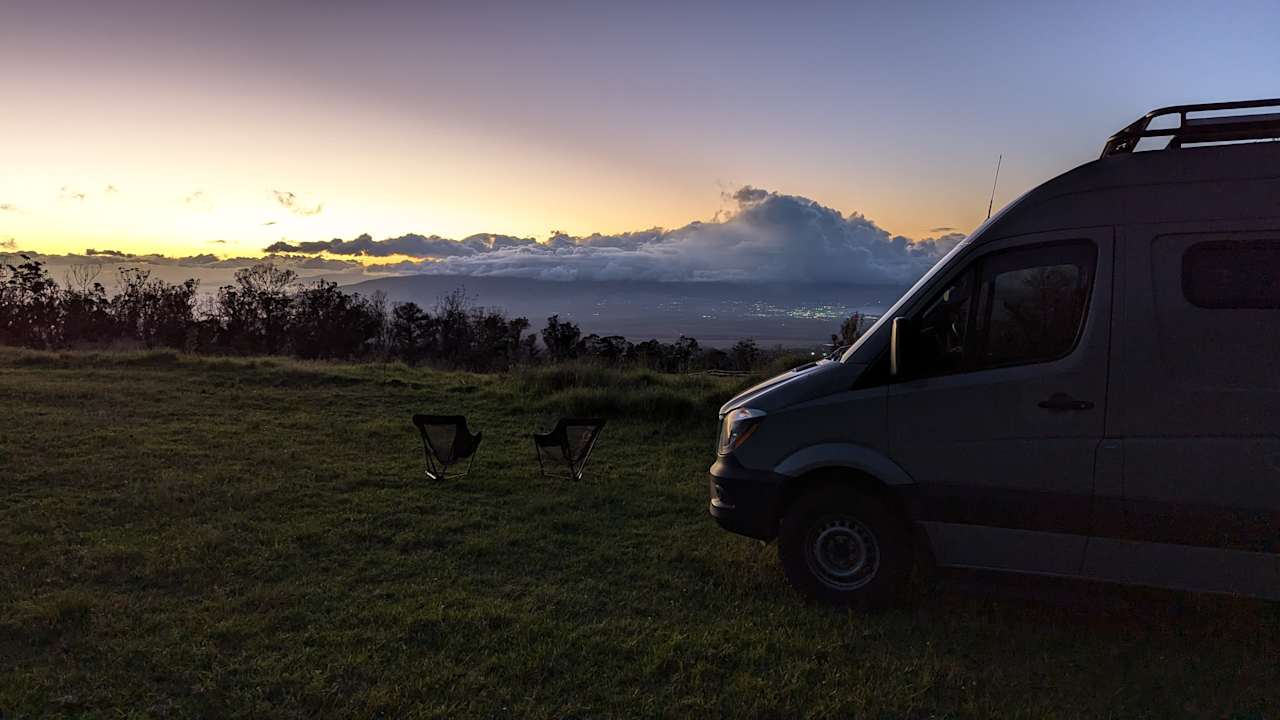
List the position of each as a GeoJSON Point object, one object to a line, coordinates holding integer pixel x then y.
{"type": "Point", "coordinates": [716, 313]}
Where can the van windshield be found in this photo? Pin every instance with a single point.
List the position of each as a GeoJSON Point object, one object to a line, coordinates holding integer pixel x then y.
{"type": "Point", "coordinates": [889, 314]}
{"type": "Point", "coordinates": [892, 312]}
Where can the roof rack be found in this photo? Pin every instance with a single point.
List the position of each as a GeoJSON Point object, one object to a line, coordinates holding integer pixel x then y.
{"type": "Point", "coordinates": [1200, 130]}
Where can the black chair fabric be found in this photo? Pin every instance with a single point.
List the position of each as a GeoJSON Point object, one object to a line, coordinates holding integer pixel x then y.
{"type": "Point", "coordinates": [446, 441]}
{"type": "Point", "coordinates": [570, 442]}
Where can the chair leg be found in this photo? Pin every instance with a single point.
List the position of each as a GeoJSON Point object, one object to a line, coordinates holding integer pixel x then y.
{"type": "Point", "coordinates": [542, 470]}
{"type": "Point", "coordinates": [587, 456]}
{"type": "Point", "coordinates": [470, 461]}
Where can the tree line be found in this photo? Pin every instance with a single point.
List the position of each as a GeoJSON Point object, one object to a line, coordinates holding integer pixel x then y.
{"type": "Point", "coordinates": [266, 310]}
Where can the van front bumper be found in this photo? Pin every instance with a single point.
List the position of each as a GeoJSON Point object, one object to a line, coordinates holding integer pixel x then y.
{"type": "Point", "coordinates": [745, 501]}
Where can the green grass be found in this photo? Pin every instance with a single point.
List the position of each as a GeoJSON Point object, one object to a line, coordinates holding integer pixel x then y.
{"type": "Point", "coordinates": [244, 538]}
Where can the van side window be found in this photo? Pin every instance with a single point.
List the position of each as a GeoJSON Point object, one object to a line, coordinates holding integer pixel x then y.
{"type": "Point", "coordinates": [1013, 307]}
{"type": "Point", "coordinates": [1032, 304]}
{"type": "Point", "coordinates": [1226, 274]}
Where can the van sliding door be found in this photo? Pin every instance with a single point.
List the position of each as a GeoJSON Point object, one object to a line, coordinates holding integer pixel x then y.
{"type": "Point", "coordinates": [1196, 403]}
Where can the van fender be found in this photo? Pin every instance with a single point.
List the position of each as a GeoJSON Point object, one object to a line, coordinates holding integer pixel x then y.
{"type": "Point", "coordinates": [844, 455]}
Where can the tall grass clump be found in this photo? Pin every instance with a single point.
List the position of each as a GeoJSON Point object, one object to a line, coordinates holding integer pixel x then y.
{"type": "Point", "coordinates": [586, 389]}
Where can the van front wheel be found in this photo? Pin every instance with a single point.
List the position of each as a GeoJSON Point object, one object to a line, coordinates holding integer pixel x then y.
{"type": "Point", "coordinates": [842, 547]}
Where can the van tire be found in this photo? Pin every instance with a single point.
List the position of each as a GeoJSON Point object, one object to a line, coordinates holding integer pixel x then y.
{"type": "Point", "coordinates": [842, 547]}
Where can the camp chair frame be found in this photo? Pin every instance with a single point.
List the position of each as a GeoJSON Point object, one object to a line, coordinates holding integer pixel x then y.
{"type": "Point", "coordinates": [465, 445]}
{"type": "Point", "coordinates": [558, 438]}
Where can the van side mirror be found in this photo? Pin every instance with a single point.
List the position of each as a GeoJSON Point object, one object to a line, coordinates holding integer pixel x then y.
{"type": "Point", "coordinates": [901, 346]}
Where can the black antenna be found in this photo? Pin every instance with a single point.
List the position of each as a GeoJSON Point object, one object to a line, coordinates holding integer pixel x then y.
{"type": "Point", "coordinates": [993, 185]}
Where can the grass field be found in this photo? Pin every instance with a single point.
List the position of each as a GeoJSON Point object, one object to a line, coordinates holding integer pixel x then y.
{"type": "Point", "coordinates": [186, 537]}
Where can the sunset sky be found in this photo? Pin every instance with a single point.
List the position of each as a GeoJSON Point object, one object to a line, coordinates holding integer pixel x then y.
{"type": "Point", "coordinates": [186, 128]}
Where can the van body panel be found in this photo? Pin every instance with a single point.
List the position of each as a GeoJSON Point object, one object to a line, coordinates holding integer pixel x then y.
{"type": "Point", "coordinates": [1190, 184]}
{"type": "Point", "coordinates": [1108, 487]}
{"type": "Point", "coordinates": [810, 380]}
{"type": "Point", "coordinates": [986, 454]}
{"type": "Point", "coordinates": [1184, 567]}
{"type": "Point", "coordinates": [839, 419]}
{"type": "Point", "coordinates": [1198, 396]}
{"type": "Point", "coordinates": [958, 544]}
{"type": "Point", "coordinates": [863, 459]}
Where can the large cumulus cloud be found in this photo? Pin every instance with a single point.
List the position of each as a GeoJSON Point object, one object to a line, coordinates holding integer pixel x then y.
{"type": "Point", "coordinates": [768, 237]}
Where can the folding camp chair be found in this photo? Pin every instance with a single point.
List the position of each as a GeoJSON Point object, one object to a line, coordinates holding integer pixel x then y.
{"type": "Point", "coordinates": [570, 442]}
{"type": "Point", "coordinates": [446, 441]}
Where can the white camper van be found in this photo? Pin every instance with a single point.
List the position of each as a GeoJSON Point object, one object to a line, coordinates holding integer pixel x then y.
{"type": "Point", "coordinates": [1088, 386]}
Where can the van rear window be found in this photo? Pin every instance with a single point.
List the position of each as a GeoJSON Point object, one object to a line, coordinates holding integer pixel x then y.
{"type": "Point", "coordinates": [1232, 274]}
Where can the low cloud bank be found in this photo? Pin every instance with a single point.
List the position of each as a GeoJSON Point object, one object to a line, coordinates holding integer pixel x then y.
{"type": "Point", "coordinates": [412, 245]}
{"type": "Point", "coordinates": [769, 237]}
{"type": "Point", "coordinates": [93, 256]}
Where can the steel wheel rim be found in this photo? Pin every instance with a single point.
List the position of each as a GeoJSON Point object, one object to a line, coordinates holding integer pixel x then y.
{"type": "Point", "coordinates": [843, 553]}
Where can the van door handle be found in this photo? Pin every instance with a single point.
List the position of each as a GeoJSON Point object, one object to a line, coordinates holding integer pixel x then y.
{"type": "Point", "coordinates": [1063, 401]}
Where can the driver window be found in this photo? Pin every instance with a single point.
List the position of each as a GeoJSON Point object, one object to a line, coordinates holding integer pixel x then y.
{"type": "Point", "coordinates": [1011, 307]}
{"type": "Point", "coordinates": [943, 328]}
{"type": "Point", "coordinates": [1032, 304]}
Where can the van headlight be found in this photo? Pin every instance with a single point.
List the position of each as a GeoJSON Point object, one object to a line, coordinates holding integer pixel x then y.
{"type": "Point", "coordinates": [737, 426]}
